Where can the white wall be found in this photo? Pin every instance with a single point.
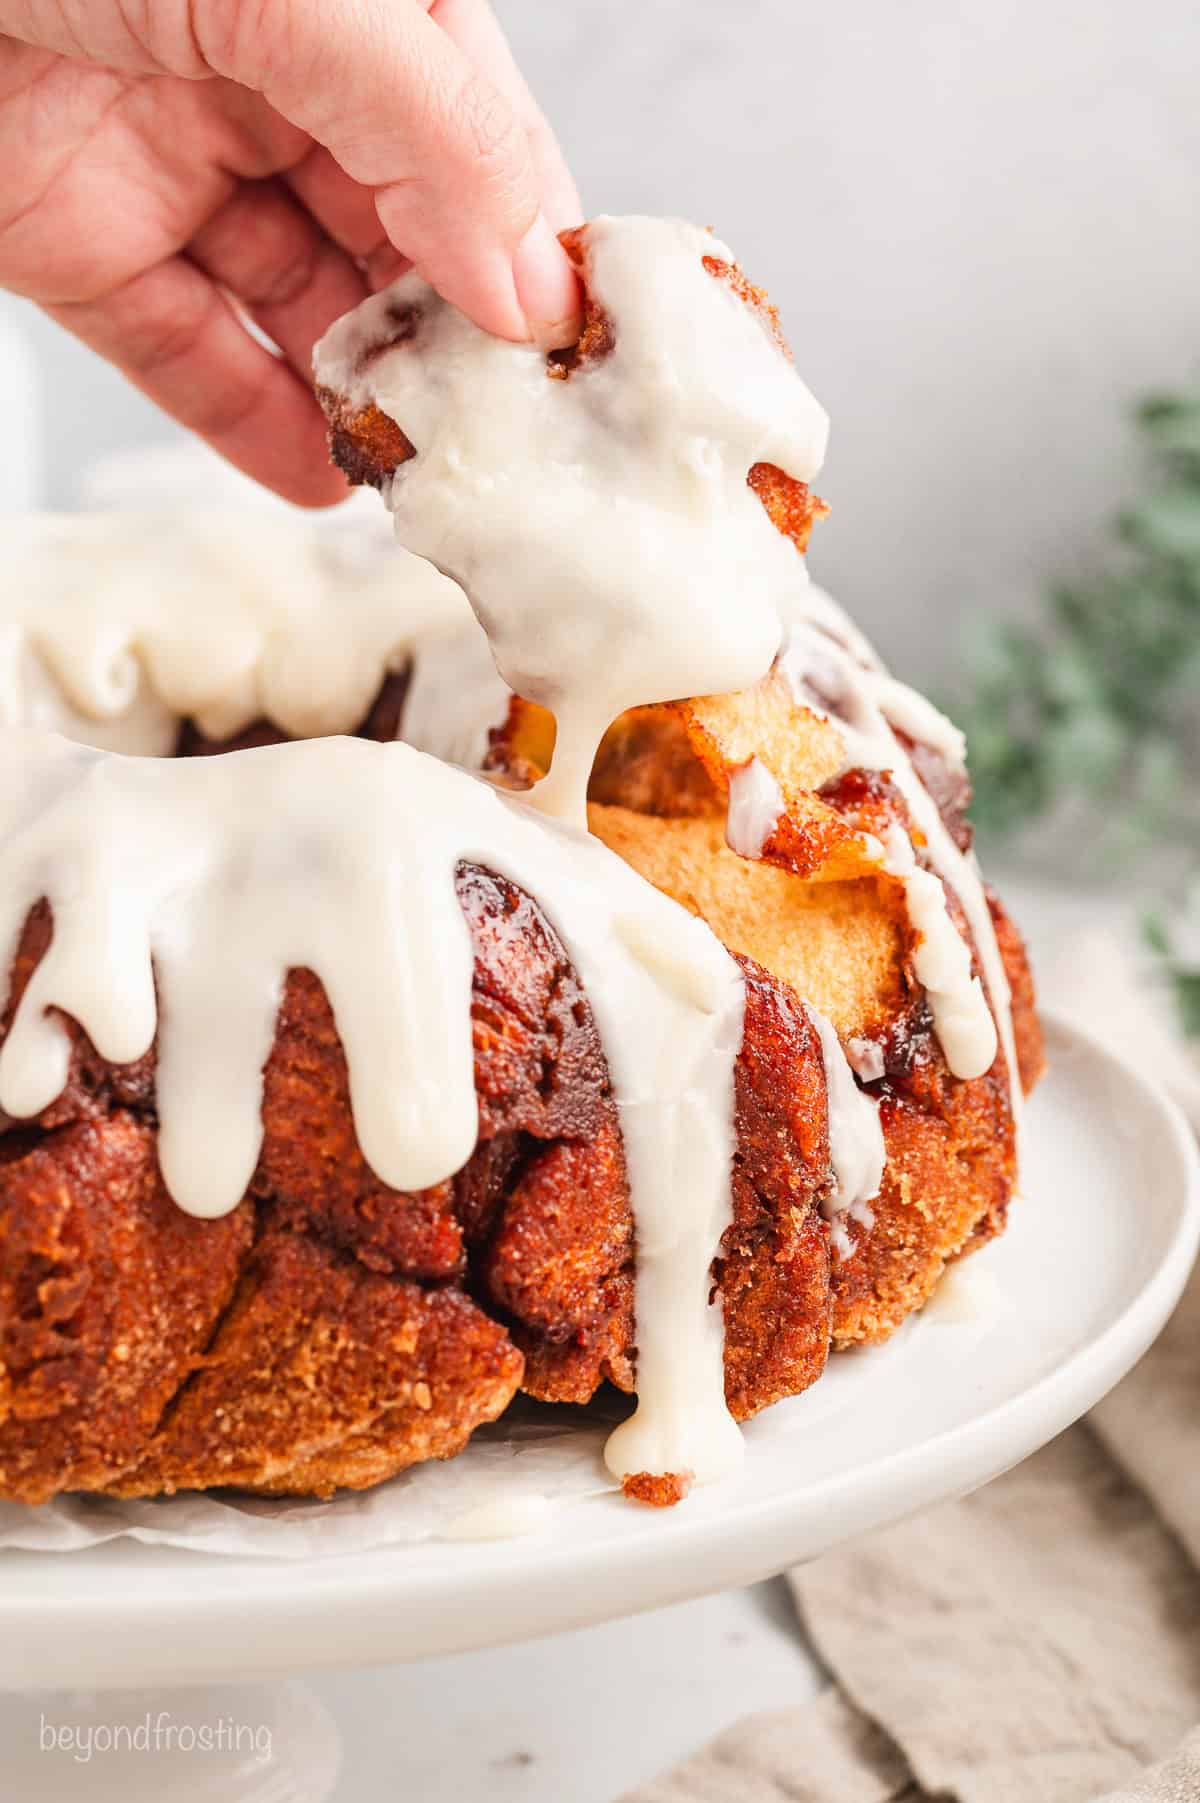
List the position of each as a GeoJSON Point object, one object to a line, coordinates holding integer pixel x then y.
{"type": "Point", "coordinates": [980, 218]}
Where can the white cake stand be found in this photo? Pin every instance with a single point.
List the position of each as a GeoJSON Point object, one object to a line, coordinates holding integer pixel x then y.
{"type": "Point", "coordinates": [1025, 1339]}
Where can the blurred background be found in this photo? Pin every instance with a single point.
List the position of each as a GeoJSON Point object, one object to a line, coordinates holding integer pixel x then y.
{"type": "Point", "coordinates": [980, 222]}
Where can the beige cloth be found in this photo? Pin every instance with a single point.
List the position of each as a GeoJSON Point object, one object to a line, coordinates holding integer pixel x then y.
{"type": "Point", "coordinates": [1038, 1642]}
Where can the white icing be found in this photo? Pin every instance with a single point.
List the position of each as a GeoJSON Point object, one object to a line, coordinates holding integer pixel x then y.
{"type": "Point", "coordinates": [212, 877]}
{"type": "Point", "coordinates": [865, 1058]}
{"type": "Point", "coordinates": [755, 804]}
{"type": "Point", "coordinates": [455, 696]}
{"type": "Point", "coordinates": [113, 627]}
{"type": "Point", "coordinates": [963, 1019]}
{"type": "Point", "coordinates": [841, 1243]}
{"type": "Point", "coordinates": [856, 1148]}
{"type": "Point", "coordinates": [30, 696]}
{"type": "Point", "coordinates": [909, 712]}
{"type": "Point", "coordinates": [501, 1518]}
{"type": "Point", "coordinates": [602, 525]}
{"type": "Point", "coordinates": [965, 1293]}
{"type": "Point", "coordinates": [942, 962]}
{"type": "Point", "coordinates": [818, 608]}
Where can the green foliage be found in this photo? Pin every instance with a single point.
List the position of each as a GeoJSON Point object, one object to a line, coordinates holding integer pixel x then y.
{"type": "Point", "coordinates": [1097, 701]}
{"type": "Point", "coordinates": [1180, 965]}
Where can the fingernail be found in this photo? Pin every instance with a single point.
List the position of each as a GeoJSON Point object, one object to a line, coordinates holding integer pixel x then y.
{"type": "Point", "coordinates": [547, 288]}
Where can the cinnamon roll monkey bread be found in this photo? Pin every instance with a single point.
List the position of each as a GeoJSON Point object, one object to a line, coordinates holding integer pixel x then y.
{"type": "Point", "coordinates": [571, 970]}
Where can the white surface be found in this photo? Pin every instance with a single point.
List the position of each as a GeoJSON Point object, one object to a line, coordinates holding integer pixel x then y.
{"type": "Point", "coordinates": [981, 217]}
{"type": "Point", "coordinates": [580, 1718]}
{"type": "Point", "coordinates": [1094, 1260]}
{"type": "Point", "coordinates": [222, 1744]}
{"type": "Point", "coordinates": [577, 1719]}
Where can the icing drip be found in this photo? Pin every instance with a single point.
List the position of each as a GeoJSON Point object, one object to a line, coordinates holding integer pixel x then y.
{"type": "Point", "coordinates": [115, 626]}
{"type": "Point", "coordinates": [212, 877]}
{"type": "Point", "coordinates": [455, 695]}
{"type": "Point", "coordinates": [501, 1518]}
{"type": "Point", "coordinates": [755, 804]}
{"type": "Point", "coordinates": [818, 609]}
{"type": "Point", "coordinates": [862, 703]}
{"type": "Point", "coordinates": [622, 486]}
{"type": "Point", "coordinates": [602, 524]}
{"type": "Point", "coordinates": [942, 962]}
{"type": "Point", "coordinates": [856, 1148]}
{"type": "Point", "coordinates": [906, 710]}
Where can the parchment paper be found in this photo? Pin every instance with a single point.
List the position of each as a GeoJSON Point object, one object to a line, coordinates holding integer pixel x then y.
{"type": "Point", "coordinates": [534, 1453]}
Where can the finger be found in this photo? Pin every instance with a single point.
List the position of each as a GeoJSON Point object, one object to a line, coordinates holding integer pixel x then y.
{"type": "Point", "coordinates": [385, 265]}
{"type": "Point", "coordinates": [473, 26]}
{"type": "Point", "coordinates": [338, 203]}
{"type": "Point", "coordinates": [177, 338]}
{"type": "Point", "coordinates": [402, 110]}
{"type": "Point", "coordinates": [348, 213]}
{"type": "Point", "coordinates": [292, 280]}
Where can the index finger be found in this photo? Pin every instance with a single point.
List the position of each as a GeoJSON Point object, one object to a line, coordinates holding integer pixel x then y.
{"type": "Point", "coordinates": [474, 28]}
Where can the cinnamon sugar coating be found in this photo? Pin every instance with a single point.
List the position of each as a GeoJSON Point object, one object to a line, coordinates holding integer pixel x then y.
{"type": "Point", "coordinates": [332, 1331]}
{"type": "Point", "coordinates": [144, 1350]}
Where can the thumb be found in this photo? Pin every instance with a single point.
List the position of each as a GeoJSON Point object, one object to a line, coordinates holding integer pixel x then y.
{"type": "Point", "coordinates": [406, 114]}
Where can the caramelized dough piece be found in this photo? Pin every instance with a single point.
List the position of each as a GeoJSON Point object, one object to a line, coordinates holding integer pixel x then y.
{"type": "Point", "coordinates": [647, 763]}
{"type": "Point", "coordinates": [951, 1163]}
{"type": "Point", "coordinates": [793, 507]}
{"type": "Point", "coordinates": [108, 1296]}
{"type": "Point", "coordinates": [1027, 1028]}
{"type": "Point", "coordinates": [847, 947]}
{"type": "Point", "coordinates": [539, 1071]}
{"type": "Point", "coordinates": [774, 1268]}
{"type": "Point", "coordinates": [655, 1490]}
{"type": "Point", "coordinates": [323, 1375]}
{"type": "Point", "coordinates": [369, 446]}
{"type": "Point", "coordinates": [947, 1183]}
{"type": "Point", "coordinates": [561, 1267]}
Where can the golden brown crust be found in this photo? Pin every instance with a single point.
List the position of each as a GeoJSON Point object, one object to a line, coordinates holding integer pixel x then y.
{"type": "Point", "coordinates": [324, 1374]}
{"type": "Point", "coordinates": [259, 1350]}
{"type": "Point", "coordinates": [83, 1202]}
{"type": "Point", "coordinates": [774, 1271]}
{"type": "Point", "coordinates": [1027, 1028]}
{"type": "Point", "coordinates": [128, 1329]}
{"type": "Point", "coordinates": [108, 1296]}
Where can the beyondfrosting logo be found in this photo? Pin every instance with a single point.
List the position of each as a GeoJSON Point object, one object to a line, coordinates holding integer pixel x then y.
{"type": "Point", "coordinates": [156, 1733]}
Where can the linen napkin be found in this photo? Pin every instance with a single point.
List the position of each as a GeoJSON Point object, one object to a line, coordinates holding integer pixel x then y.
{"type": "Point", "coordinates": [1038, 1642]}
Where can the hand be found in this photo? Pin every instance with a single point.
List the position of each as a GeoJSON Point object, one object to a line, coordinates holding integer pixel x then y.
{"type": "Point", "coordinates": [160, 156]}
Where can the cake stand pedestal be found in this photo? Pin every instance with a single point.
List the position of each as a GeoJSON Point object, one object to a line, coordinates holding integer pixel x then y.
{"type": "Point", "coordinates": [215, 1743]}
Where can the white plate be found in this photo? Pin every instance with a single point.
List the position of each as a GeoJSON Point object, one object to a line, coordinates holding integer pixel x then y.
{"type": "Point", "coordinates": [1095, 1258]}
